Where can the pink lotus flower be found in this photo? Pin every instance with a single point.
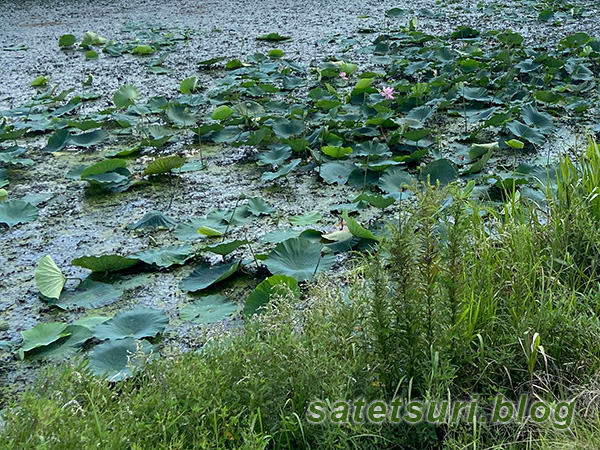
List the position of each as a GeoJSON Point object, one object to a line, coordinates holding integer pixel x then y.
{"type": "Point", "coordinates": [387, 92]}
{"type": "Point", "coordinates": [344, 76]}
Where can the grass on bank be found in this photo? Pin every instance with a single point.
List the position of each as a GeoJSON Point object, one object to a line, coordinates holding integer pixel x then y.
{"type": "Point", "coordinates": [459, 299]}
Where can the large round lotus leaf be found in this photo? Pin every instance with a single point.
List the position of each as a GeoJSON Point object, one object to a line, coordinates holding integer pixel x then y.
{"type": "Point", "coordinates": [307, 219]}
{"type": "Point", "coordinates": [206, 275]}
{"type": "Point", "coordinates": [274, 285]}
{"type": "Point", "coordinates": [48, 278]}
{"type": "Point", "coordinates": [395, 180]}
{"type": "Point", "coordinates": [108, 165]}
{"type": "Point", "coordinates": [298, 258]}
{"type": "Point", "coordinates": [166, 257]}
{"type": "Point", "coordinates": [336, 172]}
{"type": "Point", "coordinates": [258, 206]}
{"type": "Point", "coordinates": [209, 309]}
{"type": "Point", "coordinates": [64, 347]}
{"type": "Point", "coordinates": [137, 323]}
{"type": "Point", "coordinates": [442, 170]}
{"type": "Point", "coordinates": [126, 95]}
{"type": "Point", "coordinates": [14, 212]}
{"type": "Point", "coordinates": [89, 294]}
{"type": "Point", "coordinates": [89, 139]}
{"type": "Point", "coordinates": [43, 334]}
{"type": "Point", "coordinates": [104, 263]}
{"type": "Point", "coordinates": [180, 115]}
{"type": "Point", "coordinates": [108, 179]}
{"type": "Point", "coordinates": [115, 359]}
{"type": "Point", "coordinates": [530, 134]}
{"type": "Point", "coordinates": [164, 165]}
{"type": "Point", "coordinates": [152, 220]}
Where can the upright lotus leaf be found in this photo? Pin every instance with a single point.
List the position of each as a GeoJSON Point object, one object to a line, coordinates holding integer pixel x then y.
{"type": "Point", "coordinates": [210, 62]}
{"type": "Point", "coordinates": [89, 294]}
{"type": "Point", "coordinates": [39, 81]}
{"type": "Point", "coordinates": [258, 207]}
{"type": "Point", "coordinates": [276, 156]}
{"type": "Point", "coordinates": [225, 248]}
{"type": "Point", "coordinates": [372, 148]}
{"type": "Point", "coordinates": [43, 334]}
{"type": "Point", "coordinates": [273, 37]}
{"type": "Point", "coordinates": [164, 165]}
{"type": "Point", "coordinates": [299, 258]}
{"type": "Point", "coordinates": [116, 181]}
{"type": "Point", "coordinates": [167, 256]}
{"type": "Point", "coordinates": [237, 216]}
{"type": "Point", "coordinates": [126, 95]}
{"type": "Point", "coordinates": [180, 115]}
{"type": "Point", "coordinates": [336, 171]}
{"type": "Point", "coordinates": [285, 128]}
{"type": "Point", "coordinates": [143, 50]}
{"type": "Point", "coordinates": [209, 309]}
{"type": "Point", "coordinates": [64, 347]}
{"type": "Point", "coordinates": [421, 113]}
{"type": "Point", "coordinates": [222, 113]}
{"type": "Point", "coordinates": [548, 97]}
{"type": "Point", "coordinates": [57, 140]}
{"type": "Point", "coordinates": [14, 212]}
{"type": "Point", "coordinates": [105, 263]}
{"type": "Point", "coordinates": [105, 166]}
{"type": "Point", "coordinates": [416, 135]}
{"type": "Point", "coordinates": [88, 139]}
{"type": "Point", "coordinates": [475, 93]}
{"type": "Point", "coordinates": [153, 220]}
{"type": "Point", "coordinates": [395, 180]}
{"type": "Point", "coordinates": [307, 219]}
{"type": "Point", "coordinates": [442, 170]}
{"type": "Point", "coordinates": [272, 286]}
{"type": "Point", "coordinates": [378, 201]}
{"type": "Point", "coordinates": [356, 229]}
{"type": "Point", "coordinates": [464, 32]}
{"type": "Point", "coordinates": [336, 152]}
{"type": "Point", "coordinates": [91, 38]}
{"type": "Point", "coordinates": [283, 171]}
{"type": "Point", "coordinates": [49, 279]}
{"type": "Point", "coordinates": [206, 275]}
{"type": "Point", "coordinates": [137, 323]}
{"type": "Point", "coordinates": [532, 117]}
{"type": "Point", "coordinates": [529, 134]}
{"type": "Point", "coordinates": [66, 40]}
{"type": "Point", "coordinates": [188, 85]}
{"type": "Point", "coordinates": [114, 359]}
{"type": "Point", "coordinates": [249, 109]}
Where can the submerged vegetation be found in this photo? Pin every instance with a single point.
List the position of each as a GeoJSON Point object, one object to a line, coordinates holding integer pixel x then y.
{"type": "Point", "coordinates": [469, 264]}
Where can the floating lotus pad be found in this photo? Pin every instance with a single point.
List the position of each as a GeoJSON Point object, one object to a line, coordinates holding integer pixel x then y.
{"type": "Point", "coordinates": [137, 323]}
